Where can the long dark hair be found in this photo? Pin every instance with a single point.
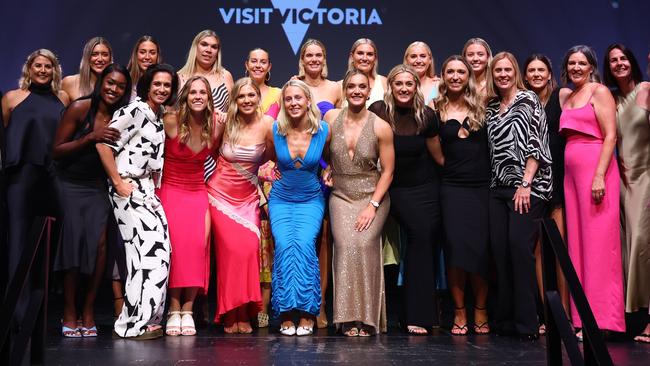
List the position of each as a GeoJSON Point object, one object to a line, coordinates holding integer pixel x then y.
{"type": "Point", "coordinates": [608, 76]}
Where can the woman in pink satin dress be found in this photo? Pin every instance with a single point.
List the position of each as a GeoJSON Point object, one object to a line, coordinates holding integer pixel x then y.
{"type": "Point", "coordinates": [592, 189]}
{"type": "Point", "coordinates": [234, 207]}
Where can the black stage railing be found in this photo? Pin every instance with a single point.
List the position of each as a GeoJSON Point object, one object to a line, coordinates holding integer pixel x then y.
{"type": "Point", "coordinates": [558, 327]}
{"type": "Point", "coordinates": [29, 285]}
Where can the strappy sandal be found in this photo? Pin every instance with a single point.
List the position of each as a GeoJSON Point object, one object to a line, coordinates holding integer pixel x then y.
{"type": "Point", "coordinates": [417, 330]}
{"type": "Point", "coordinates": [89, 332]}
{"type": "Point", "coordinates": [187, 324]}
{"type": "Point", "coordinates": [458, 329]}
{"type": "Point", "coordinates": [365, 331]}
{"type": "Point", "coordinates": [640, 337]}
{"type": "Point", "coordinates": [350, 331]}
{"type": "Point", "coordinates": [68, 332]}
{"type": "Point", "coordinates": [230, 323]}
{"type": "Point", "coordinates": [173, 326]}
{"type": "Point", "coordinates": [247, 329]}
{"type": "Point", "coordinates": [481, 328]}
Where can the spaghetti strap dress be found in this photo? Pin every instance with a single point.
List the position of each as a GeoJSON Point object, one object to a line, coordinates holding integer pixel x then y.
{"type": "Point", "coordinates": [593, 230]}
{"type": "Point", "coordinates": [633, 140]}
{"type": "Point", "coordinates": [235, 215]}
{"type": "Point", "coordinates": [185, 200]}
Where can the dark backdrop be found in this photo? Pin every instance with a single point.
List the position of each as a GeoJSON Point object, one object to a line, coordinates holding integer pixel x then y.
{"type": "Point", "coordinates": [520, 26]}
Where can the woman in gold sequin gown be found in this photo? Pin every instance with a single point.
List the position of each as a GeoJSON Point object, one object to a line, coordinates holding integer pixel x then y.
{"type": "Point", "coordinates": [359, 205]}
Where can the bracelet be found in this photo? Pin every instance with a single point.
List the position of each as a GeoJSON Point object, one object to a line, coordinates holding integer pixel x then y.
{"type": "Point", "coordinates": [374, 204]}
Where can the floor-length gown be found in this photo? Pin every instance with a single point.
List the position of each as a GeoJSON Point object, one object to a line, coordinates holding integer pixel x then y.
{"type": "Point", "coordinates": [592, 229]}
{"type": "Point", "coordinates": [296, 207]}
{"type": "Point", "coordinates": [357, 257]}
{"type": "Point", "coordinates": [235, 215]}
{"type": "Point", "coordinates": [634, 152]}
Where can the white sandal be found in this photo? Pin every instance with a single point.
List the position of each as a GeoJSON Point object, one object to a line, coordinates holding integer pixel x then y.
{"type": "Point", "coordinates": [173, 326]}
{"type": "Point", "coordinates": [187, 324]}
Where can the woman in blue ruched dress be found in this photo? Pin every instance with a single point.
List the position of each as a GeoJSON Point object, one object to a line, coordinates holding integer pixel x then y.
{"type": "Point", "coordinates": [296, 208]}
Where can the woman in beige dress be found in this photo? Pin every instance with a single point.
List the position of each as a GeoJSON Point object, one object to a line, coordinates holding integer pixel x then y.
{"type": "Point", "coordinates": [623, 74]}
{"type": "Point", "coordinates": [359, 205]}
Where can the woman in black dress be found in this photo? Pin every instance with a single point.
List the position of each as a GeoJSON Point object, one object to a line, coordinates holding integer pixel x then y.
{"type": "Point", "coordinates": [82, 192]}
{"type": "Point", "coordinates": [538, 77]}
{"type": "Point", "coordinates": [31, 114]}
{"type": "Point", "coordinates": [414, 191]}
{"type": "Point", "coordinates": [464, 190]}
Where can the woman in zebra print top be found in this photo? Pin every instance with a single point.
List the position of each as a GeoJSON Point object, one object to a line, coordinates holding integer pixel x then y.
{"type": "Point", "coordinates": [519, 190]}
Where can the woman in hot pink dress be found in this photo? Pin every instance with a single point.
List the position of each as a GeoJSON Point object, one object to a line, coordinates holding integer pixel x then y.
{"type": "Point", "coordinates": [591, 184]}
{"type": "Point", "coordinates": [184, 197]}
{"type": "Point", "coordinates": [234, 208]}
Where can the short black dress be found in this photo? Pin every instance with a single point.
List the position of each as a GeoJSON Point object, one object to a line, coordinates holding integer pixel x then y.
{"type": "Point", "coordinates": [464, 197]}
{"type": "Point", "coordinates": [83, 193]}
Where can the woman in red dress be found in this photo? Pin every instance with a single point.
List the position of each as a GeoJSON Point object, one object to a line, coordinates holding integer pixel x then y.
{"type": "Point", "coordinates": [184, 197]}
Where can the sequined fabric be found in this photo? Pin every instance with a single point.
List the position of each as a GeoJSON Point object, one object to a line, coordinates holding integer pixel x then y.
{"type": "Point", "coordinates": [357, 257]}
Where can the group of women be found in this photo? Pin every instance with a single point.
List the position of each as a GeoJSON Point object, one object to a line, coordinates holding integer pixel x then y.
{"type": "Point", "coordinates": [272, 178]}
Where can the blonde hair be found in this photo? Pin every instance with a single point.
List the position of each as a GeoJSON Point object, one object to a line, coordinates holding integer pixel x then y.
{"type": "Point", "coordinates": [189, 68]}
{"type": "Point", "coordinates": [418, 99]}
{"type": "Point", "coordinates": [85, 72]}
{"type": "Point", "coordinates": [313, 114]}
{"type": "Point", "coordinates": [303, 50]}
{"type": "Point", "coordinates": [233, 120]}
{"type": "Point", "coordinates": [471, 97]}
{"type": "Point", "coordinates": [358, 43]}
{"type": "Point", "coordinates": [431, 70]}
{"type": "Point", "coordinates": [184, 113]}
{"type": "Point", "coordinates": [25, 80]}
{"type": "Point", "coordinates": [134, 69]}
{"type": "Point", "coordinates": [492, 90]}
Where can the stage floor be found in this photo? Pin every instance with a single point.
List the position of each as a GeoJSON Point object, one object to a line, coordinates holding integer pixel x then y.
{"type": "Point", "coordinates": [267, 347]}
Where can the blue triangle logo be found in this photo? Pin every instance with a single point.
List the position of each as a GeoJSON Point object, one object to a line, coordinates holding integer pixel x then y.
{"type": "Point", "coordinates": [293, 28]}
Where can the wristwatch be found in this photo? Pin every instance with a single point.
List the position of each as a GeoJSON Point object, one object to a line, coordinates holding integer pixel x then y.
{"type": "Point", "coordinates": [374, 204]}
{"type": "Point", "coordinates": [525, 184]}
